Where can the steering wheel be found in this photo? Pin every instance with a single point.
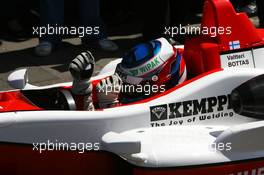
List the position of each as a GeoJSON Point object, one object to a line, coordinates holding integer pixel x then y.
{"type": "Point", "coordinates": [64, 100]}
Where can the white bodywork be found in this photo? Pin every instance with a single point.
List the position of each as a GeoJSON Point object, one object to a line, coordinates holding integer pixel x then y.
{"type": "Point", "coordinates": [141, 142]}
{"type": "Point", "coordinates": [189, 145]}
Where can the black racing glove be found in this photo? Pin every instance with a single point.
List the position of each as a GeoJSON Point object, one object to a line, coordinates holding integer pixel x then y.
{"type": "Point", "coordinates": [81, 69]}
{"type": "Point", "coordinates": [82, 66]}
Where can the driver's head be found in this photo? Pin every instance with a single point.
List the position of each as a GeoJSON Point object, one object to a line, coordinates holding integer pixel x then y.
{"type": "Point", "coordinates": [155, 63]}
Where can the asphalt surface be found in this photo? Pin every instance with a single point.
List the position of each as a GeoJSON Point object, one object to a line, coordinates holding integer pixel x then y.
{"type": "Point", "coordinates": [54, 68]}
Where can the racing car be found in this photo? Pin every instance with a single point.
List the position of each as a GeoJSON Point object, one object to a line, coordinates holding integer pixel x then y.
{"type": "Point", "coordinates": [210, 124]}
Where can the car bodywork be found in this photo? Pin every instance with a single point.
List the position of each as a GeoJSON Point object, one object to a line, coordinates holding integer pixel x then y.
{"type": "Point", "coordinates": [189, 129]}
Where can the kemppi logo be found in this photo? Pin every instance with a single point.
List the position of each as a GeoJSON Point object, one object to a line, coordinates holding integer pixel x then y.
{"type": "Point", "coordinates": [195, 107]}
{"type": "Point", "coordinates": [190, 108]}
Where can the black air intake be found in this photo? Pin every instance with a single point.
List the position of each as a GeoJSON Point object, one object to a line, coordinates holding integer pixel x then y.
{"type": "Point", "coordinates": [248, 98]}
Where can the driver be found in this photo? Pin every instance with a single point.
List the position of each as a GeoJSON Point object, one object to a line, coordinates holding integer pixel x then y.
{"type": "Point", "coordinates": [146, 70]}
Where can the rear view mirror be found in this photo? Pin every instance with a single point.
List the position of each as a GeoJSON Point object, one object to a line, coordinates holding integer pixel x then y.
{"type": "Point", "coordinates": [18, 79]}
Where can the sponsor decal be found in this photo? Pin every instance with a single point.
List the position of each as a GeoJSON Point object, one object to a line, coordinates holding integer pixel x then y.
{"type": "Point", "coordinates": [234, 45]}
{"type": "Point", "coordinates": [239, 59]}
{"type": "Point", "coordinates": [256, 171]}
{"type": "Point", "coordinates": [159, 112]}
{"type": "Point", "coordinates": [191, 111]}
{"type": "Point", "coordinates": [146, 67]}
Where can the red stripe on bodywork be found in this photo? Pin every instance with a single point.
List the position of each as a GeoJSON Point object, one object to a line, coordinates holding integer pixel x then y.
{"type": "Point", "coordinates": [17, 159]}
{"type": "Point", "coordinates": [241, 168]}
{"type": "Point", "coordinates": [15, 101]}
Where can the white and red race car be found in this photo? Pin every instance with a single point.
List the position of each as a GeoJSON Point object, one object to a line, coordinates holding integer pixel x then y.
{"type": "Point", "coordinates": [212, 124]}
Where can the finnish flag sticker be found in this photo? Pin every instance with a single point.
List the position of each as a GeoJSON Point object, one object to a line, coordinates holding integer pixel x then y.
{"type": "Point", "coordinates": [234, 45]}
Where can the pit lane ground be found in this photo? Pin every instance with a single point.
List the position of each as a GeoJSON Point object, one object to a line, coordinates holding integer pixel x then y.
{"type": "Point", "coordinates": [54, 68]}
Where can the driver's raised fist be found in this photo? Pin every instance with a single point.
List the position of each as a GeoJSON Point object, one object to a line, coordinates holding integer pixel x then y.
{"type": "Point", "coordinates": [82, 66]}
